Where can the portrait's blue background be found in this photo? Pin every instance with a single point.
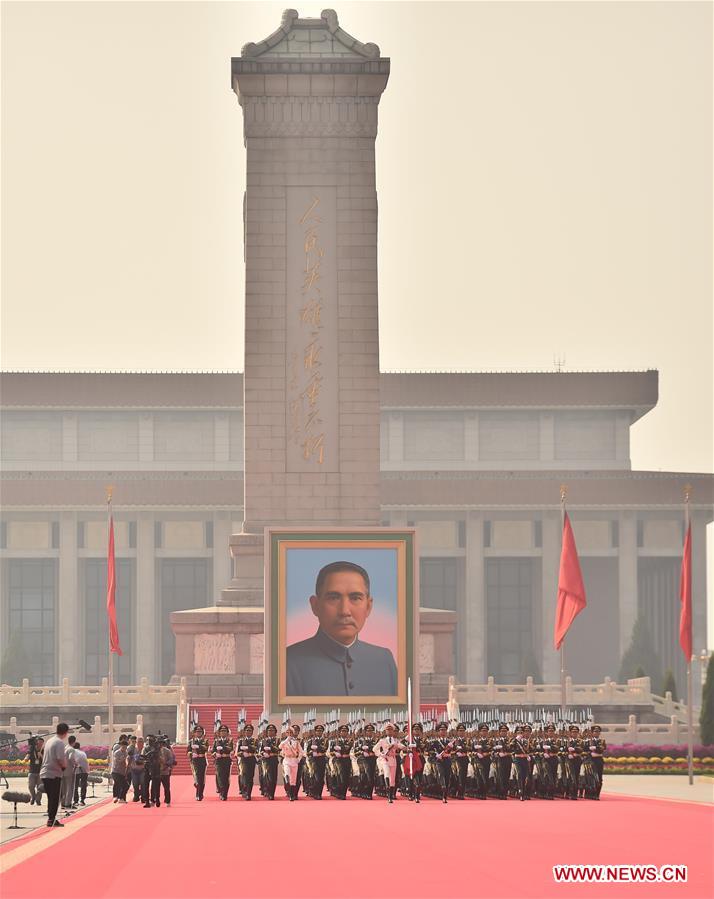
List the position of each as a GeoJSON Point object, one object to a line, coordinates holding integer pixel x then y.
{"type": "Point", "coordinates": [381, 564]}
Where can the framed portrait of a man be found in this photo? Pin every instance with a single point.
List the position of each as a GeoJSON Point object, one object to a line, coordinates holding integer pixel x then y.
{"type": "Point", "coordinates": [340, 619]}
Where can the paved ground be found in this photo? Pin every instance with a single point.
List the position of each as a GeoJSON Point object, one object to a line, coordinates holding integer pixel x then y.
{"type": "Point", "coordinates": [29, 816]}
{"type": "Point", "coordinates": [660, 786]}
{"type": "Point", "coordinates": [463, 850]}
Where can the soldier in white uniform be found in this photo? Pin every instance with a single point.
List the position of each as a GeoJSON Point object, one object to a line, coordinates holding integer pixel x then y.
{"type": "Point", "coordinates": [386, 751]}
{"type": "Point", "coordinates": [292, 752]}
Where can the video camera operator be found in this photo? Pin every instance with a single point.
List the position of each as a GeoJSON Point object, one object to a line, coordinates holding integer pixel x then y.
{"type": "Point", "coordinates": [167, 760]}
{"type": "Point", "coordinates": [54, 763]}
{"type": "Point", "coordinates": [35, 748]}
{"type": "Point", "coordinates": [152, 771]}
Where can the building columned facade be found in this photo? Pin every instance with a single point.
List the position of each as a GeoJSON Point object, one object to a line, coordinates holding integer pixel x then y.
{"type": "Point", "coordinates": [474, 461]}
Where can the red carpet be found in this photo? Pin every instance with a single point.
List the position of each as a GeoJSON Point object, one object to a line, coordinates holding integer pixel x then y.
{"type": "Point", "coordinates": [363, 849]}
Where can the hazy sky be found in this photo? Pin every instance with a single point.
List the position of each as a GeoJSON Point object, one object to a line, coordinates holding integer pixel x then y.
{"type": "Point", "coordinates": [544, 177]}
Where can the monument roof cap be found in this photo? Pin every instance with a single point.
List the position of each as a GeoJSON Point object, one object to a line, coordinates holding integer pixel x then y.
{"type": "Point", "coordinates": [310, 38]}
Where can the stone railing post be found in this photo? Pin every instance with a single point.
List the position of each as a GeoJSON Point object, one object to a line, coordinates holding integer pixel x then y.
{"type": "Point", "coordinates": [26, 691]}
{"type": "Point", "coordinates": [97, 731]}
{"type": "Point", "coordinates": [676, 729]}
{"type": "Point", "coordinates": [105, 691]}
{"type": "Point", "coordinates": [65, 690]}
{"type": "Point", "coordinates": [632, 729]}
{"type": "Point", "coordinates": [668, 703]}
{"type": "Point", "coordinates": [13, 726]}
{"type": "Point", "coordinates": [139, 726]}
{"type": "Point", "coordinates": [144, 691]}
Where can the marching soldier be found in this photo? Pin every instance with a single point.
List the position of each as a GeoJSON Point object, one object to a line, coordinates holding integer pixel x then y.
{"type": "Point", "coordinates": [222, 752]}
{"type": "Point", "coordinates": [572, 749]}
{"type": "Point", "coordinates": [521, 762]}
{"type": "Point", "coordinates": [197, 750]}
{"type": "Point", "coordinates": [595, 748]}
{"type": "Point", "coordinates": [269, 757]}
{"type": "Point", "coordinates": [245, 753]}
{"type": "Point", "coordinates": [548, 762]}
{"type": "Point", "coordinates": [340, 765]}
{"type": "Point", "coordinates": [440, 751]}
{"type": "Point", "coordinates": [481, 749]}
{"type": "Point", "coordinates": [460, 761]}
{"type": "Point", "coordinates": [316, 757]}
{"type": "Point", "coordinates": [366, 762]}
{"type": "Point", "coordinates": [501, 754]}
{"type": "Point", "coordinates": [292, 753]}
{"type": "Point", "coordinates": [413, 763]}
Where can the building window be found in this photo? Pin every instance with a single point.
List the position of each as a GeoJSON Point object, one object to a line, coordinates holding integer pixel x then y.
{"type": "Point", "coordinates": [504, 436]}
{"type": "Point", "coordinates": [31, 436]}
{"type": "Point", "coordinates": [184, 437]}
{"type": "Point", "coordinates": [509, 618]}
{"type": "Point", "coordinates": [31, 620]}
{"type": "Point", "coordinates": [657, 589]}
{"type": "Point", "coordinates": [185, 584]}
{"type": "Point", "coordinates": [107, 436]}
{"type": "Point", "coordinates": [584, 435]}
{"type": "Point", "coordinates": [96, 625]}
{"type": "Point", "coordinates": [433, 436]}
{"type": "Point", "coordinates": [438, 583]}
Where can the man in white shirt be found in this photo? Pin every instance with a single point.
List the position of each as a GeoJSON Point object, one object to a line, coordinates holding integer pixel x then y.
{"type": "Point", "coordinates": [386, 751]}
{"type": "Point", "coordinates": [292, 751]}
{"type": "Point", "coordinates": [68, 777]}
{"type": "Point", "coordinates": [81, 775]}
{"type": "Point", "coordinates": [54, 763]}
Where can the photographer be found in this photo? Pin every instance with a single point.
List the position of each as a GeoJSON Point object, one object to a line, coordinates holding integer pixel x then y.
{"type": "Point", "coordinates": [167, 760]}
{"type": "Point", "coordinates": [120, 764]}
{"type": "Point", "coordinates": [136, 768]}
{"type": "Point", "coordinates": [82, 773]}
{"type": "Point", "coordinates": [35, 746]}
{"type": "Point", "coordinates": [152, 772]}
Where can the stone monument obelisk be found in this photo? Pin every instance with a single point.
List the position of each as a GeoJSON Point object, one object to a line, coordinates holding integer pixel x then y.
{"type": "Point", "coordinates": [309, 94]}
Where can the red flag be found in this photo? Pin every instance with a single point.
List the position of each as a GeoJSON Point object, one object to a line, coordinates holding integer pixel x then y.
{"type": "Point", "coordinates": [111, 593]}
{"type": "Point", "coordinates": [571, 590]}
{"type": "Point", "coordinates": [685, 598]}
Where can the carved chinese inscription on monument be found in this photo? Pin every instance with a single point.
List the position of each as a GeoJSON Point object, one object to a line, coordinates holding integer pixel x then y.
{"type": "Point", "coordinates": [311, 361]}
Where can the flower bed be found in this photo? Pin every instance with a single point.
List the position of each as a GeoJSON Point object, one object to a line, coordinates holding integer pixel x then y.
{"type": "Point", "coordinates": [644, 759]}
{"type": "Point", "coordinates": [18, 751]}
{"type": "Point", "coordinates": [20, 768]}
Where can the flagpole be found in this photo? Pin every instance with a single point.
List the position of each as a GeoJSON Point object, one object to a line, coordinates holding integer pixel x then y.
{"type": "Point", "coordinates": [110, 678]}
{"type": "Point", "coordinates": [690, 713]}
{"type": "Point", "coordinates": [563, 494]}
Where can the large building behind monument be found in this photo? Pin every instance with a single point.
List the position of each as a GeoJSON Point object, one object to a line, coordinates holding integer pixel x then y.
{"type": "Point", "coordinates": [312, 433]}
{"type": "Point", "coordinates": [474, 461]}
